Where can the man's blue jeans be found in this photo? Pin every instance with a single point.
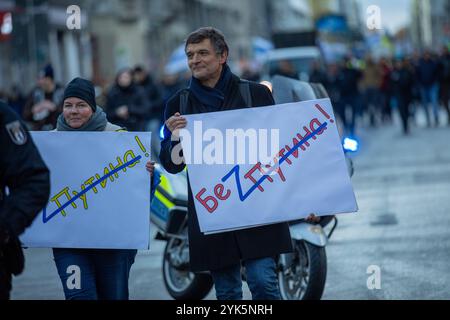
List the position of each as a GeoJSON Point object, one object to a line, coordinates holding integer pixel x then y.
{"type": "Point", "coordinates": [103, 273]}
{"type": "Point", "coordinates": [261, 279]}
{"type": "Point", "coordinates": [431, 95]}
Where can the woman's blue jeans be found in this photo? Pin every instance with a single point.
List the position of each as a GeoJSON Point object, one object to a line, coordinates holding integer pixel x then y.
{"type": "Point", "coordinates": [261, 279]}
{"type": "Point", "coordinates": [103, 273]}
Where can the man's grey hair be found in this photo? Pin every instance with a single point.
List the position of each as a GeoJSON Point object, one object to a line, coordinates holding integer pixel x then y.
{"type": "Point", "coordinates": [214, 35]}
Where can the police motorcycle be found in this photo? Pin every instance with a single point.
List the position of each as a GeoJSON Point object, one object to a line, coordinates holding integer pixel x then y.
{"type": "Point", "coordinates": [301, 274]}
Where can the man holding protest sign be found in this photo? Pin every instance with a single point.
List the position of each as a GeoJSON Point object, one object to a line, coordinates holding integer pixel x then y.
{"type": "Point", "coordinates": [213, 87]}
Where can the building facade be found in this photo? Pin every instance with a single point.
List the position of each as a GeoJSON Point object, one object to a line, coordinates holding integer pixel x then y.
{"type": "Point", "coordinates": [430, 23]}
{"type": "Point", "coordinates": [39, 36]}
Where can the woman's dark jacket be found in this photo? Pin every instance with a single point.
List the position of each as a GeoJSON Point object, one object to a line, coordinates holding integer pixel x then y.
{"type": "Point", "coordinates": [135, 99]}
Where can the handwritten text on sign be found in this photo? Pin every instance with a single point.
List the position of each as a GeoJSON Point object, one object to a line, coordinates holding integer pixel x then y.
{"type": "Point", "coordinates": [99, 191]}
{"type": "Point", "coordinates": [307, 175]}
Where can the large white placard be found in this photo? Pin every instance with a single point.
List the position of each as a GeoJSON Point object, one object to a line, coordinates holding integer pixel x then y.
{"type": "Point", "coordinates": [100, 191]}
{"type": "Point", "coordinates": [306, 173]}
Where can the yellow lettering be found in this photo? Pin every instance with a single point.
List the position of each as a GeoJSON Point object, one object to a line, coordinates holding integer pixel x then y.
{"type": "Point", "coordinates": [89, 182]}
{"type": "Point", "coordinates": [131, 154]}
{"type": "Point", "coordinates": [119, 163]}
{"type": "Point", "coordinates": [65, 192]}
{"type": "Point", "coordinates": [105, 172]}
{"type": "Point", "coordinates": [82, 197]}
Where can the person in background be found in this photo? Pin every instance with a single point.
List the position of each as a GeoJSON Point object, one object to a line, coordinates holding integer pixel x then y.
{"type": "Point", "coordinates": [428, 75]}
{"type": "Point", "coordinates": [371, 81]}
{"type": "Point", "coordinates": [153, 119]}
{"type": "Point", "coordinates": [143, 79]}
{"type": "Point", "coordinates": [402, 83]}
{"type": "Point", "coordinates": [44, 102]}
{"type": "Point", "coordinates": [126, 103]}
{"type": "Point", "coordinates": [333, 90]}
{"type": "Point", "coordinates": [286, 69]}
{"type": "Point", "coordinates": [385, 90]}
{"type": "Point", "coordinates": [348, 80]}
{"type": "Point", "coordinates": [16, 100]}
{"type": "Point", "coordinates": [249, 71]}
{"type": "Point", "coordinates": [318, 75]}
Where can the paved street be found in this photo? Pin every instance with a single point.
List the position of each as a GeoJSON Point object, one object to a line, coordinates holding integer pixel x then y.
{"type": "Point", "coordinates": [402, 185]}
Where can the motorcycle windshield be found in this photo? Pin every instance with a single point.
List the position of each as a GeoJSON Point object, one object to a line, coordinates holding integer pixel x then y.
{"type": "Point", "coordinates": [287, 90]}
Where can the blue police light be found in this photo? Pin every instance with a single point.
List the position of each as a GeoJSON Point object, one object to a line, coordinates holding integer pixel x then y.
{"type": "Point", "coordinates": [161, 132]}
{"type": "Point", "coordinates": [350, 144]}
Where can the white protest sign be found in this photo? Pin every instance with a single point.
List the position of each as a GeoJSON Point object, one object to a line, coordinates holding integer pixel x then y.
{"type": "Point", "coordinates": [100, 191]}
{"type": "Point", "coordinates": [305, 173]}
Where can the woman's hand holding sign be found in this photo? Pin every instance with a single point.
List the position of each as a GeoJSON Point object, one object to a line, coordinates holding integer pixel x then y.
{"type": "Point", "coordinates": [150, 166]}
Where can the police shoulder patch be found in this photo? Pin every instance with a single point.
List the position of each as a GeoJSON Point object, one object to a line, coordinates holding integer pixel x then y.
{"type": "Point", "coordinates": [16, 132]}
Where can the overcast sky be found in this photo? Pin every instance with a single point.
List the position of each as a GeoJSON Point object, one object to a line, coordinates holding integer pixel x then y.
{"type": "Point", "coordinates": [394, 13]}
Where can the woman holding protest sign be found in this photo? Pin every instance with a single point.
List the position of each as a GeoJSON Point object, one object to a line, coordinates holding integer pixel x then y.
{"type": "Point", "coordinates": [103, 273]}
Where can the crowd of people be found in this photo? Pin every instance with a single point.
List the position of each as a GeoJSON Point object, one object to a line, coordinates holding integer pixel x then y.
{"type": "Point", "coordinates": [359, 90]}
{"type": "Point", "coordinates": [374, 89]}
{"type": "Point", "coordinates": [134, 100]}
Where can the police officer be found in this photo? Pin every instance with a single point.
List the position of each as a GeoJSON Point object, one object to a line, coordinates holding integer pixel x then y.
{"type": "Point", "coordinates": [27, 179]}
